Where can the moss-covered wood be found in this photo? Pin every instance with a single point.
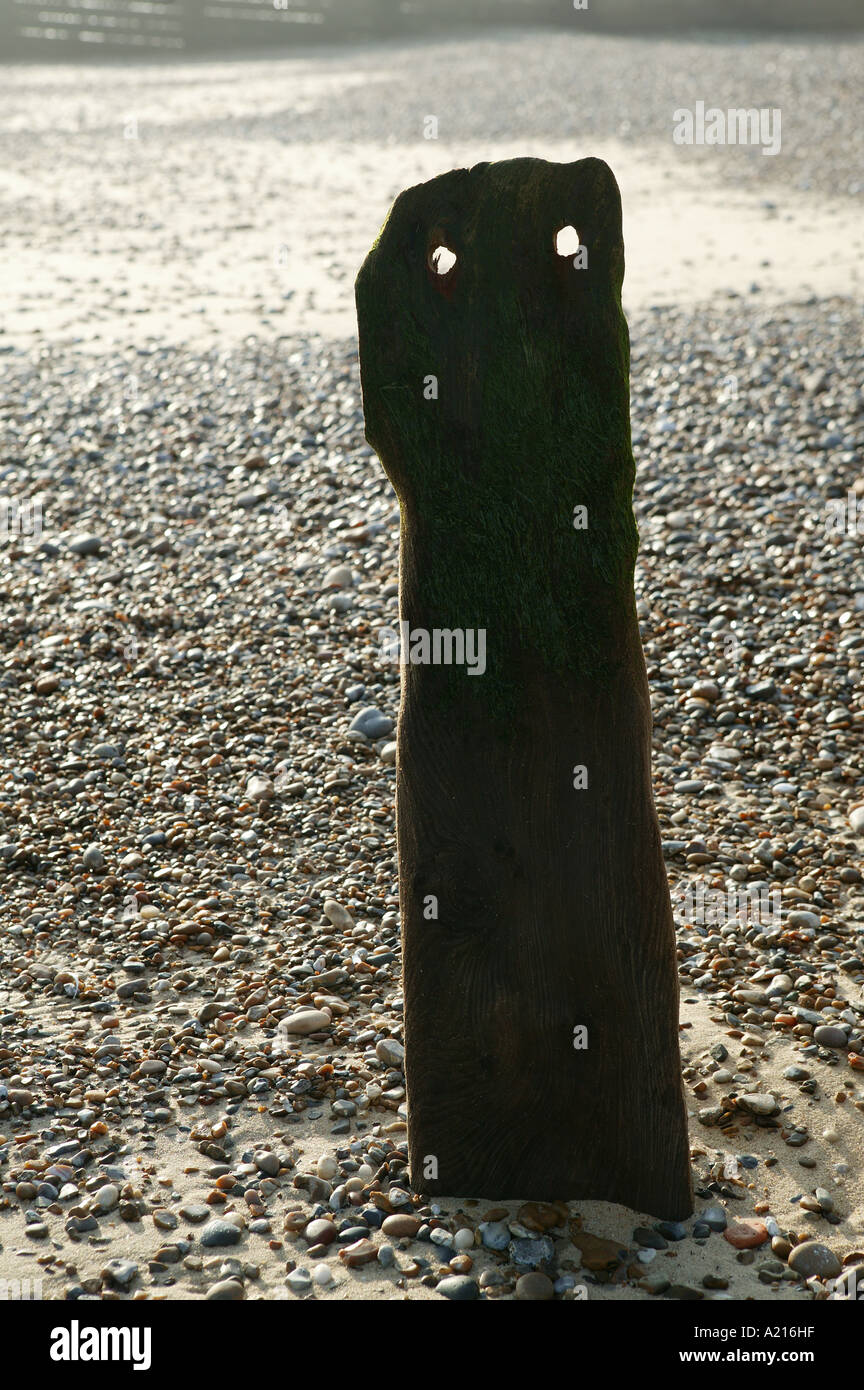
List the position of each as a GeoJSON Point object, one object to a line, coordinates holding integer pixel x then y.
{"type": "Point", "coordinates": [531, 907]}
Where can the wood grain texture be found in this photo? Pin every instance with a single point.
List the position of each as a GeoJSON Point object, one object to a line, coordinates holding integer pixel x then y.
{"type": "Point", "coordinates": [553, 904]}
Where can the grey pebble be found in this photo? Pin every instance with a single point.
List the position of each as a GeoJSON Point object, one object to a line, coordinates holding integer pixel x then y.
{"type": "Point", "coordinates": [458, 1287]}
{"type": "Point", "coordinates": [812, 1258]}
{"type": "Point", "coordinates": [531, 1252]}
{"type": "Point", "coordinates": [372, 723]}
{"type": "Point", "coordinates": [495, 1235]}
{"type": "Point", "coordinates": [220, 1233]}
{"type": "Point", "coordinates": [119, 1271]}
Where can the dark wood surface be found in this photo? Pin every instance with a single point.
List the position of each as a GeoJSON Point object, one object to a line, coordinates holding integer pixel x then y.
{"type": "Point", "coordinates": [553, 904]}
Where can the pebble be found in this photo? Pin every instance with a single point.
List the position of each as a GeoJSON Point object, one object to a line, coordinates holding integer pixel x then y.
{"type": "Point", "coordinates": [299, 1281]}
{"type": "Point", "coordinates": [759, 1104]}
{"type": "Point", "coordinates": [195, 1212]}
{"type": "Point", "coordinates": [652, 1240]}
{"type": "Point", "coordinates": [338, 577]}
{"type": "Point", "coordinates": [372, 723]}
{"type": "Point", "coordinates": [390, 1051]}
{"type": "Point", "coordinates": [309, 1021]}
{"type": "Point", "coordinates": [226, 1291]}
{"type": "Point", "coordinates": [672, 1230]}
{"type": "Point", "coordinates": [320, 1232]}
{"type": "Point", "coordinates": [534, 1288]}
{"type": "Point", "coordinates": [495, 1235]}
{"type": "Point", "coordinates": [120, 1272]}
{"type": "Point", "coordinates": [746, 1234]}
{"type": "Point", "coordinates": [598, 1253]}
{"type": "Point", "coordinates": [531, 1252]}
{"type": "Point", "coordinates": [338, 915]}
{"type": "Point", "coordinates": [401, 1224]}
{"type": "Point", "coordinates": [220, 1233]}
{"type": "Point", "coordinates": [84, 543]}
{"type": "Point", "coordinates": [714, 1217]}
{"type": "Point", "coordinates": [806, 921]}
{"type": "Point", "coordinates": [358, 1253]}
{"type": "Point", "coordinates": [458, 1287]}
{"type": "Point", "coordinates": [811, 1258]}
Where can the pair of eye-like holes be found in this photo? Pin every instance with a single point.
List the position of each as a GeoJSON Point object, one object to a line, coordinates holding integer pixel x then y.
{"type": "Point", "coordinates": [442, 259]}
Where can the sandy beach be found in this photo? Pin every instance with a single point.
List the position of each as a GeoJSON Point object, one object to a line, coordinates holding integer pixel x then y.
{"type": "Point", "coordinates": [202, 202]}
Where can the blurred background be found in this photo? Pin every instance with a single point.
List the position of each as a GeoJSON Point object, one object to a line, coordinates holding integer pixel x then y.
{"type": "Point", "coordinates": [72, 28]}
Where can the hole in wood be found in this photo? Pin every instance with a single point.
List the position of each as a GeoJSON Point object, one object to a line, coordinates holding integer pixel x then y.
{"type": "Point", "coordinates": [567, 241]}
{"type": "Point", "coordinates": [442, 260]}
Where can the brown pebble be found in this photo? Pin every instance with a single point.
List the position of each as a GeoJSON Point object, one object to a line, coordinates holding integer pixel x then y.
{"type": "Point", "coordinates": [534, 1287]}
{"type": "Point", "coordinates": [597, 1253]}
{"type": "Point", "coordinates": [360, 1253]}
{"type": "Point", "coordinates": [320, 1232]}
{"type": "Point", "coordinates": [540, 1216]}
{"type": "Point", "coordinates": [746, 1235]}
{"type": "Point", "coordinates": [401, 1224]}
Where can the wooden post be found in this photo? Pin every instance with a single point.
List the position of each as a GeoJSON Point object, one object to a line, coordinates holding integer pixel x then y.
{"type": "Point", "coordinates": [541, 993]}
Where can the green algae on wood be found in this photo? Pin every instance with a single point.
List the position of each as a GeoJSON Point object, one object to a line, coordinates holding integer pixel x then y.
{"type": "Point", "coordinates": [531, 359]}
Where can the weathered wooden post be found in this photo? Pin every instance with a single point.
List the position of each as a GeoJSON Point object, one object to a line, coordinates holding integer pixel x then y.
{"type": "Point", "coordinates": [540, 981]}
